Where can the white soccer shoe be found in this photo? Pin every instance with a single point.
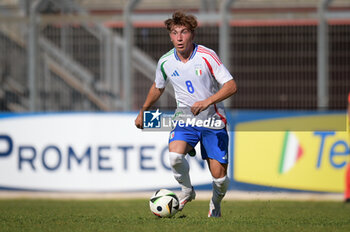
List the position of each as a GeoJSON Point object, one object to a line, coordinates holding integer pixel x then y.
{"type": "Point", "coordinates": [214, 212]}
{"type": "Point", "coordinates": [185, 198]}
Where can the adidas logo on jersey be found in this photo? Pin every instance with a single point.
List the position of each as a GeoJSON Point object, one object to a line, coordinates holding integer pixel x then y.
{"type": "Point", "coordinates": [175, 74]}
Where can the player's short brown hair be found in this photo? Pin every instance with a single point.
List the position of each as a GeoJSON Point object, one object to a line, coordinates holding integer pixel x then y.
{"type": "Point", "coordinates": [179, 18]}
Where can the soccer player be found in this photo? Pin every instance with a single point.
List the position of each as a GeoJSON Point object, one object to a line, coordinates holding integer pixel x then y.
{"type": "Point", "coordinates": [347, 170]}
{"type": "Point", "coordinates": [200, 83]}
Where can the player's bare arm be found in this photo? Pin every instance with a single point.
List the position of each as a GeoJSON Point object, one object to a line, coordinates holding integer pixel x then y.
{"type": "Point", "coordinates": [153, 95]}
{"type": "Point", "coordinates": [227, 90]}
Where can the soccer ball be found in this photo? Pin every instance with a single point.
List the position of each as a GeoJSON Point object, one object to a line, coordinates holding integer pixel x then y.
{"type": "Point", "coordinates": [164, 203]}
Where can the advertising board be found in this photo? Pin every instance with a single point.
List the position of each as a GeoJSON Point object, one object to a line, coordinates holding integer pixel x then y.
{"type": "Point", "coordinates": [86, 152]}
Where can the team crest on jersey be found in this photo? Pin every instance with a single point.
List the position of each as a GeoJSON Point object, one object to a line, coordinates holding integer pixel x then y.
{"type": "Point", "coordinates": [198, 70]}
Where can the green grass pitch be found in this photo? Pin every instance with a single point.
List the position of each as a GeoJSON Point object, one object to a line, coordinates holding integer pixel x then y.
{"type": "Point", "coordinates": [134, 215]}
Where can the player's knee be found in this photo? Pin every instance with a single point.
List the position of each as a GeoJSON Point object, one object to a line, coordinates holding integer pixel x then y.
{"type": "Point", "coordinates": [218, 173]}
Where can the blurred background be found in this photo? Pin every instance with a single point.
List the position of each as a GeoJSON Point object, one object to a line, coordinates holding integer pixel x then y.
{"type": "Point", "coordinates": [93, 56]}
{"type": "Point", "coordinates": [100, 55]}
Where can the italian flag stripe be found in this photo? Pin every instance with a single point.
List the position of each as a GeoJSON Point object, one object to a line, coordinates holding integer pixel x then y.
{"type": "Point", "coordinates": [163, 71]}
{"type": "Point", "coordinates": [291, 152]}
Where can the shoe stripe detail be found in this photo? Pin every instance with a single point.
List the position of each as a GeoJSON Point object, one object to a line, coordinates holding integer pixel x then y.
{"type": "Point", "coordinates": [184, 202]}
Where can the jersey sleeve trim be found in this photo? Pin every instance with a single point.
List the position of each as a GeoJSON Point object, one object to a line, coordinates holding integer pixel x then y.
{"type": "Point", "coordinates": [163, 71]}
{"type": "Point", "coordinates": [209, 66]}
{"type": "Point", "coordinates": [201, 49]}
